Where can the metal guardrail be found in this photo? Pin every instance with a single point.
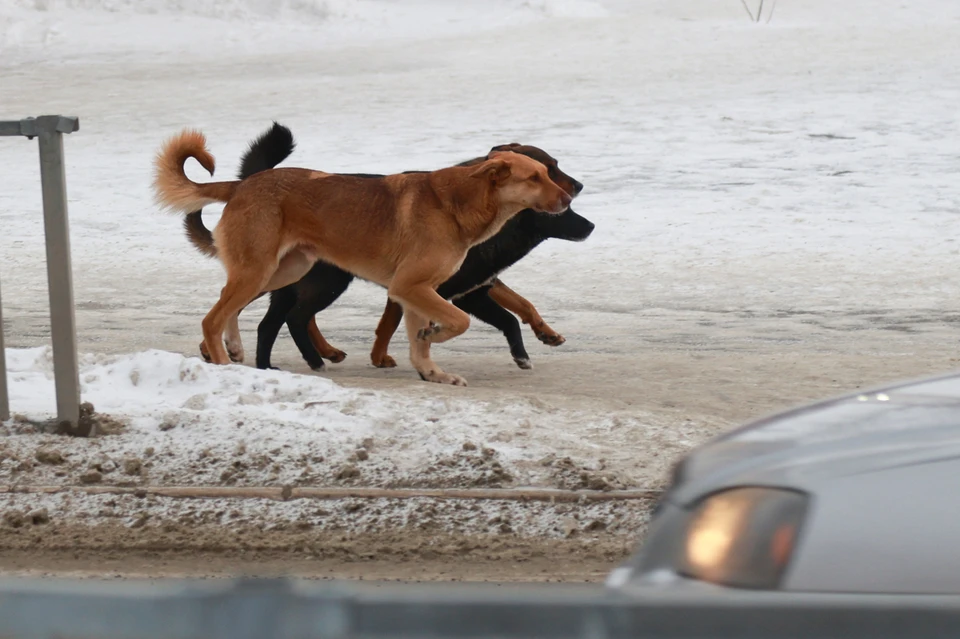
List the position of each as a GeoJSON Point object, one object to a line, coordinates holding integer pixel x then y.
{"type": "Point", "coordinates": [49, 130]}
{"type": "Point", "coordinates": [278, 609]}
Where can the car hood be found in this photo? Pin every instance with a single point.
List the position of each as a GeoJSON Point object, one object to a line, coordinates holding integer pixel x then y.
{"type": "Point", "coordinates": [905, 424]}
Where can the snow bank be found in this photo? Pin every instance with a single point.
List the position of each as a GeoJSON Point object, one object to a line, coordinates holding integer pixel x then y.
{"type": "Point", "coordinates": [188, 422]}
{"type": "Point", "coordinates": [156, 387]}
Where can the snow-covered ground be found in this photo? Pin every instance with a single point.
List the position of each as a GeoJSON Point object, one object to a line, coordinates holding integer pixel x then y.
{"type": "Point", "coordinates": [185, 422]}
{"type": "Point", "coordinates": [790, 185]}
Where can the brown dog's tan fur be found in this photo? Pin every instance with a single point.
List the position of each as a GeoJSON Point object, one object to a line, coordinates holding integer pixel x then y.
{"type": "Point", "coordinates": [408, 232]}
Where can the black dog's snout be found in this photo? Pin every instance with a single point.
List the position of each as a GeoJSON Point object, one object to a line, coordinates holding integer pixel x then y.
{"type": "Point", "coordinates": [589, 229]}
{"type": "Point", "coordinates": [577, 187]}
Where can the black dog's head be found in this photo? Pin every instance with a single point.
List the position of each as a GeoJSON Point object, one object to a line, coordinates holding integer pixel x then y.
{"type": "Point", "coordinates": [561, 179]}
{"type": "Point", "coordinates": [568, 226]}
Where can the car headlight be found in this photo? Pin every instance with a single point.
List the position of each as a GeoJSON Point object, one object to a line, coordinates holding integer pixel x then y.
{"type": "Point", "coordinates": [743, 537]}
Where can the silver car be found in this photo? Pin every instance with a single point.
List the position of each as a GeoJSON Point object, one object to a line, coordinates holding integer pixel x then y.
{"type": "Point", "coordinates": [855, 494]}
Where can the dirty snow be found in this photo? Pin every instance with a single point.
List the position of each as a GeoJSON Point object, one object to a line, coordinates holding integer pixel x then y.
{"type": "Point", "coordinates": [188, 422]}
{"type": "Point", "coordinates": [357, 516]}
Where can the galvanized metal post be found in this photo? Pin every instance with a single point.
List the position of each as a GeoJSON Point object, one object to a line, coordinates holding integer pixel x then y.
{"type": "Point", "coordinates": [63, 325]}
{"type": "Point", "coordinates": [4, 395]}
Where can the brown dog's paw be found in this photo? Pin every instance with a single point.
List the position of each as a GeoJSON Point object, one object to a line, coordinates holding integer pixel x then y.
{"type": "Point", "coordinates": [204, 353]}
{"type": "Point", "coordinates": [335, 355]}
{"type": "Point", "coordinates": [235, 356]}
{"type": "Point", "coordinates": [456, 380]}
{"type": "Point", "coordinates": [384, 362]}
{"type": "Point", "coordinates": [440, 377]}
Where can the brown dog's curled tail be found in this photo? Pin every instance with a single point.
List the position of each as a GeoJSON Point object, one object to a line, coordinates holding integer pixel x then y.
{"type": "Point", "coordinates": [173, 189]}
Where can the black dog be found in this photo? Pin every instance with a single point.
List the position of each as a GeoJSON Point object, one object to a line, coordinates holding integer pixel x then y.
{"type": "Point", "coordinates": [297, 304]}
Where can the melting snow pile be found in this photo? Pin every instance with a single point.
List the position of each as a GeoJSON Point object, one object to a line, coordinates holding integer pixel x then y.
{"type": "Point", "coordinates": [185, 422]}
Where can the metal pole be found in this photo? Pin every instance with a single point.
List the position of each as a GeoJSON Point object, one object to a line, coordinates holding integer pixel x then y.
{"type": "Point", "coordinates": [63, 326]}
{"type": "Point", "coordinates": [4, 394]}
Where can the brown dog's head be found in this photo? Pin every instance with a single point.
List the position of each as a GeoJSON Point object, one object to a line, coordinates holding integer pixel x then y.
{"type": "Point", "coordinates": [523, 181]}
{"type": "Point", "coordinates": [561, 179]}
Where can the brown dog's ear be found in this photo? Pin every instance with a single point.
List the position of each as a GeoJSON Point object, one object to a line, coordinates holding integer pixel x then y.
{"type": "Point", "coordinates": [496, 170]}
{"type": "Point", "coordinates": [503, 147]}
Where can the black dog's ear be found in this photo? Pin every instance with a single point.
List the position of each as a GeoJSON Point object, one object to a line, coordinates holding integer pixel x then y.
{"type": "Point", "coordinates": [505, 147]}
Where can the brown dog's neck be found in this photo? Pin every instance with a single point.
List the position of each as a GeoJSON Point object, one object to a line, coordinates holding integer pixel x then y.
{"type": "Point", "coordinates": [479, 214]}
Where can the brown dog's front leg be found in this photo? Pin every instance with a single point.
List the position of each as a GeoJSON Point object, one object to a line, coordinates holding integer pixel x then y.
{"type": "Point", "coordinates": [421, 304]}
{"type": "Point", "coordinates": [522, 307]}
{"type": "Point", "coordinates": [420, 354]}
{"type": "Point", "coordinates": [389, 321]}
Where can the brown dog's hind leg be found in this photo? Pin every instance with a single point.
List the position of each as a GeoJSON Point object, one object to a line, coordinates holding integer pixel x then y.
{"type": "Point", "coordinates": [232, 339]}
{"type": "Point", "coordinates": [420, 353]}
{"type": "Point", "coordinates": [523, 308]}
{"type": "Point", "coordinates": [241, 289]}
{"type": "Point", "coordinates": [320, 343]}
{"type": "Point", "coordinates": [292, 267]}
{"type": "Point", "coordinates": [389, 321]}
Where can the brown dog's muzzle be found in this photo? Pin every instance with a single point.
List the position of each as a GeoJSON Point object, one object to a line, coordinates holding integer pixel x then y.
{"type": "Point", "coordinates": [557, 204]}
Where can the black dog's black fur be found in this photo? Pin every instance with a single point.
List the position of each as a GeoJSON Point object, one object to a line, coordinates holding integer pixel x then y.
{"type": "Point", "coordinates": [297, 303]}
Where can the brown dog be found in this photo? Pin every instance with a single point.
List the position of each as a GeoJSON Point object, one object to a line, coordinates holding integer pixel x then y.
{"type": "Point", "coordinates": [408, 232]}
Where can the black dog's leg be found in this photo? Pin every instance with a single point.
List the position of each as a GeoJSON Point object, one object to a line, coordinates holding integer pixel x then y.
{"type": "Point", "coordinates": [298, 322]}
{"type": "Point", "coordinates": [316, 291]}
{"type": "Point", "coordinates": [281, 302]}
{"type": "Point", "coordinates": [479, 304]}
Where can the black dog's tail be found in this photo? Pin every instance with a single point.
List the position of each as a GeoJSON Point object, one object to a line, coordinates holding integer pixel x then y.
{"type": "Point", "coordinates": [267, 151]}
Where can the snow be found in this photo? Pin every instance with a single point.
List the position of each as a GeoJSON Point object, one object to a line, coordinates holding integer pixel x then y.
{"type": "Point", "coordinates": [807, 166]}
{"type": "Point", "coordinates": [188, 422]}
{"type": "Point", "coordinates": [37, 29]}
